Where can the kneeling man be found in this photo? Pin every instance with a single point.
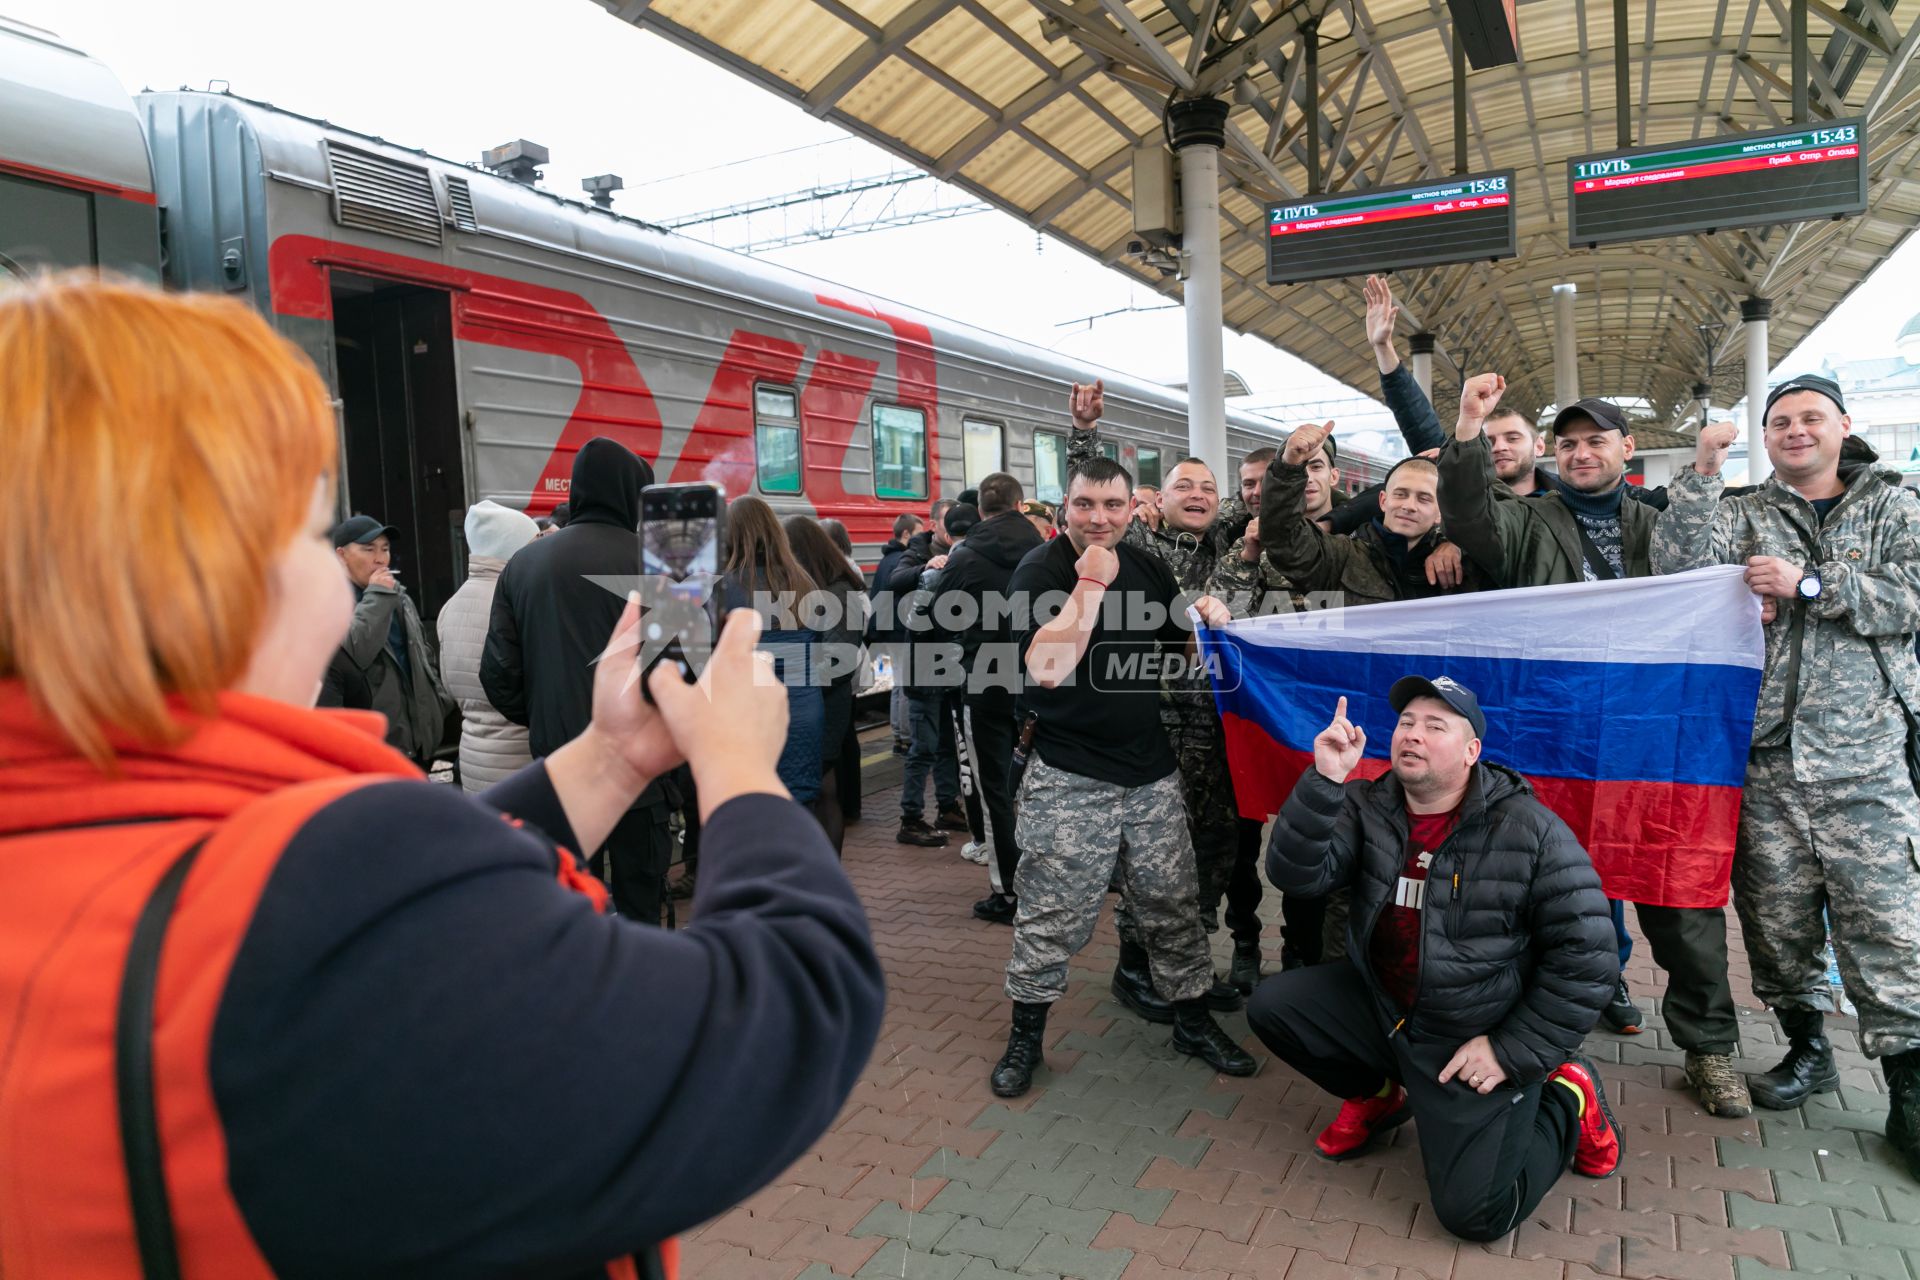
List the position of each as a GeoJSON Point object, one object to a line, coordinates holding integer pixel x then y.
{"type": "Point", "coordinates": [1481, 953]}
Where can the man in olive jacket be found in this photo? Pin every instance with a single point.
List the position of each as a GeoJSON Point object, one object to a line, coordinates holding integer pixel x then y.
{"type": "Point", "coordinates": [1587, 530]}
{"type": "Point", "coordinates": [1480, 955]}
{"type": "Point", "coordinates": [386, 645]}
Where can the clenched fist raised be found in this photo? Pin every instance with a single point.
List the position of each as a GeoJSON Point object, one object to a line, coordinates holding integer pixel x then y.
{"type": "Point", "coordinates": [1102, 564]}
{"type": "Point", "coordinates": [1710, 450]}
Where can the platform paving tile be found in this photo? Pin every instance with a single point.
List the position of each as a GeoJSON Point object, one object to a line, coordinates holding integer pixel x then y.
{"type": "Point", "coordinates": [1130, 1161]}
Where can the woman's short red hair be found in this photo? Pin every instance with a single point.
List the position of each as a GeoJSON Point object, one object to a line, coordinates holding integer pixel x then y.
{"type": "Point", "coordinates": [157, 453]}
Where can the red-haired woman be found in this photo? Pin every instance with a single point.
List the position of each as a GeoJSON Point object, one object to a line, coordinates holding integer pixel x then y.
{"type": "Point", "coordinates": [274, 1004]}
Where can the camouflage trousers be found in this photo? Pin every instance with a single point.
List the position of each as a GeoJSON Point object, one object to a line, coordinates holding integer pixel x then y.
{"type": "Point", "coordinates": [1852, 849]}
{"type": "Point", "coordinates": [1206, 790]}
{"type": "Point", "coordinates": [1077, 835]}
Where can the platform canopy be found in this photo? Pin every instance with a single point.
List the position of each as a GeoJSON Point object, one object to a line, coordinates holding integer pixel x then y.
{"type": "Point", "coordinates": [1035, 105]}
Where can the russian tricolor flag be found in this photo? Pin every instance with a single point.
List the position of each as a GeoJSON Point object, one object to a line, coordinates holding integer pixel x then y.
{"type": "Point", "coordinates": [1629, 705]}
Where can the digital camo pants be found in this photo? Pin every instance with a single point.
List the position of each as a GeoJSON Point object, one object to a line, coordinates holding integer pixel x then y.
{"type": "Point", "coordinates": [1213, 827]}
{"type": "Point", "coordinates": [1076, 835]}
{"type": "Point", "coordinates": [1852, 848]}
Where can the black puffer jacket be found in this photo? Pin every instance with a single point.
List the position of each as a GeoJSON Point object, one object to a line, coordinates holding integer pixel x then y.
{"type": "Point", "coordinates": [1519, 948]}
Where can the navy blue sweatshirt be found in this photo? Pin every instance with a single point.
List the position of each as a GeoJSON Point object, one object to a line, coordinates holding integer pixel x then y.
{"type": "Point", "coordinates": [483, 1076]}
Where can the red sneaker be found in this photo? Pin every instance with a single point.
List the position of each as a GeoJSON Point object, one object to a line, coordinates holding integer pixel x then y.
{"type": "Point", "coordinates": [1359, 1121]}
{"type": "Point", "coordinates": [1598, 1151]}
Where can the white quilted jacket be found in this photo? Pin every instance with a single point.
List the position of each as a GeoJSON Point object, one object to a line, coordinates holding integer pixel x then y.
{"type": "Point", "coordinates": [491, 746]}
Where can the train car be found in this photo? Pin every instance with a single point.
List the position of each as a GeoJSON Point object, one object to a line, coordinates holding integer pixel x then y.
{"type": "Point", "coordinates": [478, 330]}
{"type": "Point", "coordinates": [76, 189]}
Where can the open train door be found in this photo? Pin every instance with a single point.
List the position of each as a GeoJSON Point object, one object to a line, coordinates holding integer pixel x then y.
{"type": "Point", "coordinates": [404, 455]}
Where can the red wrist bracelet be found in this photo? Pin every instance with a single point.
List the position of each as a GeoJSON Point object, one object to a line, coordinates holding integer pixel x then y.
{"type": "Point", "coordinates": [1095, 581]}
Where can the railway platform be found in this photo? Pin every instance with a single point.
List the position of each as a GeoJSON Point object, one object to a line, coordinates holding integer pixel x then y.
{"type": "Point", "coordinates": [1128, 1161]}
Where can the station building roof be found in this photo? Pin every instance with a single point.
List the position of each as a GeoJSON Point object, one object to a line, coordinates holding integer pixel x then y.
{"type": "Point", "coordinates": [1035, 105]}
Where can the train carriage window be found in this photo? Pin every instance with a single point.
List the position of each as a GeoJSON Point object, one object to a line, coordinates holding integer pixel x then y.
{"type": "Point", "coordinates": [982, 444]}
{"type": "Point", "coordinates": [1049, 466]}
{"type": "Point", "coordinates": [899, 452]}
{"type": "Point", "coordinates": [1147, 464]}
{"type": "Point", "coordinates": [1109, 450]}
{"type": "Point", "coordinates": [776, 438]}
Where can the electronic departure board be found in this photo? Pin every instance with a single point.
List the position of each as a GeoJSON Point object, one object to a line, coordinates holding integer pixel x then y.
{"type": "Point", "coordinates": [1748, 179]}
{"type": "Point", "coordinates": [1390, 228]}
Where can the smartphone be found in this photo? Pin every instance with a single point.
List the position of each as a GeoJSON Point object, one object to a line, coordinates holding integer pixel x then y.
{"type": "Point", "coordinates": [682, 546]}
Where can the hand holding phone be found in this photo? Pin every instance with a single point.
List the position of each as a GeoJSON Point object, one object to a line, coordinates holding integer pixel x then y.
{"type": "Point", "coordinates": [682, 545]}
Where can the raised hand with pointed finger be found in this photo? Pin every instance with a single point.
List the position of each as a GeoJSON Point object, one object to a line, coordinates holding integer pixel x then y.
{"type": "Point", "coordinates": [1338, 747]}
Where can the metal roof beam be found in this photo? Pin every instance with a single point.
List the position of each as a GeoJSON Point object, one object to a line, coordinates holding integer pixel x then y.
{"type": "Point", "coordinates": [1844, 22]}
{"type": "Point", "coordinates": [1156, 52]}
{"type": "Point", "coordinates": [859, 64]}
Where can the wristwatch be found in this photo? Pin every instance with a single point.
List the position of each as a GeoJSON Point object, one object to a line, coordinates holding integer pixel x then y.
{"type": "Point", "coordinates": [1810, 585]}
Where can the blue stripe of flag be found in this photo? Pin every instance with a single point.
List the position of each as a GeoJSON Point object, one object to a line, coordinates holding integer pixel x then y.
{"type": "Point", "coordinates": [1681, 722]}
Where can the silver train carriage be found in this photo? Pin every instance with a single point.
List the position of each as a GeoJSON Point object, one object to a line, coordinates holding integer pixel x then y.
{"type": "Point", "coordinates": [477, 331]}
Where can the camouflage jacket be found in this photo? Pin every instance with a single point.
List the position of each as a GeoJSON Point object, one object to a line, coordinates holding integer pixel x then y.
{"type": "Point", "coordinates": [1822, 693]}
{"type": "Point", "coordinates": [1252, 588]}
{"type": "Point", "coordinates": [1186, 702]}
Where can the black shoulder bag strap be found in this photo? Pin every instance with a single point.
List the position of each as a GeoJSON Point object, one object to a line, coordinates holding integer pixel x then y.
{"type": "Point", "coordinates": [1596, 559]}
{"type": "Point", "coordinates": [133, 1075]}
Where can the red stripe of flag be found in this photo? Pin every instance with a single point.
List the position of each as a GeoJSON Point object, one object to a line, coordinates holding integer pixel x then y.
{"type": "Point", "coordinates": [1663, 844]}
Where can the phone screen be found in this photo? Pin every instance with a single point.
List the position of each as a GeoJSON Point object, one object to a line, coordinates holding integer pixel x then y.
{"type": "Point", "coordinates": [682, 531]}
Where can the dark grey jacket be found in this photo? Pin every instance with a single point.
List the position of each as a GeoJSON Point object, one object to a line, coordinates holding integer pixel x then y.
{"type": "Point", "coordinates": [1516, 942]}
{"type": "Point", "coordinates": [416, 706]}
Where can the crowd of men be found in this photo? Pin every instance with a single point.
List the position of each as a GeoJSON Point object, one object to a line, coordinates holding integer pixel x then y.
{"type": "Point", "coordinates": [1122, 785]}
{"type": "Point", "coordinates": [1071, 769]}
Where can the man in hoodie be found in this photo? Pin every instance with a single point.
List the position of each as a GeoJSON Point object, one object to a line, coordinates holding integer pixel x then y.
{"type": "Point", "coordinates": [1586, 529]}
{"type": "Point", "coordinates": [970, 610]}
{"type": "Point", "coordinates": [386, 648]}
{"type": "Point", "coordinates": [1828, 821]}
{"type": "Point", "coordinates": [554, 605]}
{"type": "Point", "coordinates": [492, 747]}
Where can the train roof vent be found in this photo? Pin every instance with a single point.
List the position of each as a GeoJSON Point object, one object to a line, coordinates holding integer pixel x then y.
{"type": "Point", "coordinates": [461, 200]}
{"type": "Point", "coordinates": [377, 194]}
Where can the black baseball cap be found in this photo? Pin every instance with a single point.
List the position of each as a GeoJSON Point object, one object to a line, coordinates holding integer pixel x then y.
{"type": "Point", "coordinates": [1806, 382]}
{"type": "Point", "coordinates": [960, 519]}
{"type": "Point", "coordinates": [1602, 413]}
{"type": "Point", "coordinates": [360, 529]}
{"type": "Point", "coordinates": [1448, 690]}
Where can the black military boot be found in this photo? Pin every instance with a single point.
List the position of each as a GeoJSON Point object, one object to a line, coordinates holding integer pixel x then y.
{"type": "Point", "coordinates": [1133, 985]}
{"type": "Point", "coordinates": [1245, 973]}
{"type": "Point", "coordinates": [1013, 1074]}
{"type": "Point", "coordinates": [1223, 997]}
{"type": "Point", "coordinates": [1903, 1115]}
{"type": "Point", "coordinates": [1806, 1070]}
{"type": "Point", "coordinates": [1195, 1032]}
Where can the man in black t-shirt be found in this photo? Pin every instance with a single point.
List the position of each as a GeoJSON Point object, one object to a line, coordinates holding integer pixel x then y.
{"type": "Point", "coordinates": [1101, 798]}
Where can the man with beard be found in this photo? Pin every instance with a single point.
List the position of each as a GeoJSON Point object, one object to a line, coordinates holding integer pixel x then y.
{"type": "Point", "coordinates": [1182, 535]}
{"type": "Point", "coordinates": [1482, 958]}
{"type": "Point", "coordinates": [1100, 800]}
{"type": "Point", "coordinates": [1587, 530]}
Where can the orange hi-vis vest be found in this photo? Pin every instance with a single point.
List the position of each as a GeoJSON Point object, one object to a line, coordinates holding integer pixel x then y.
{"type": "Point", "coordinates": [81, 854]}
